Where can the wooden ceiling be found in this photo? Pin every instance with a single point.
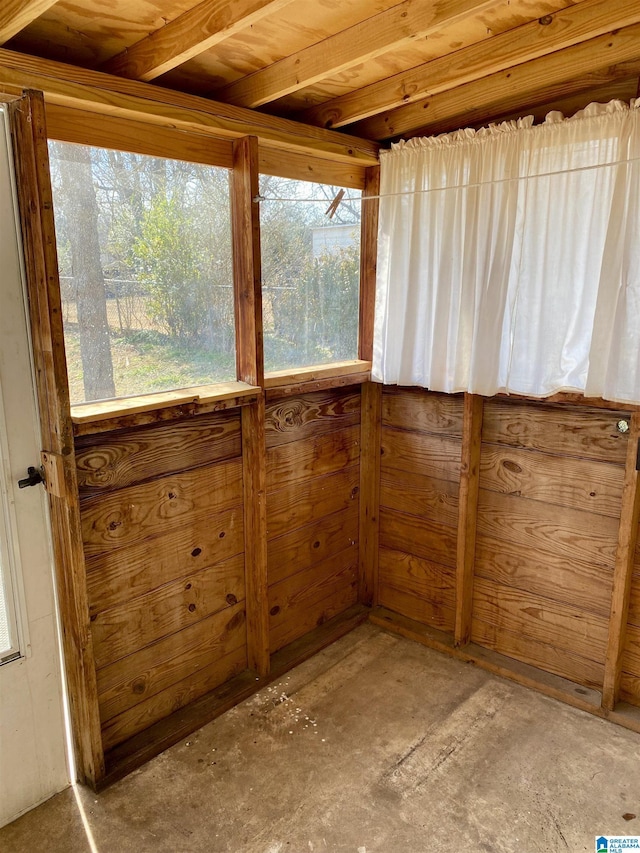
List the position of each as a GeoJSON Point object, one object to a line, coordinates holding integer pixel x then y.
{"type": "Point", "coordinates": [377, 69]}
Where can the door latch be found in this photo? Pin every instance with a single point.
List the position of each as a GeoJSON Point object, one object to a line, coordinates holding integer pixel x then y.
{"type": "Point", "coordinates": [34, 476]}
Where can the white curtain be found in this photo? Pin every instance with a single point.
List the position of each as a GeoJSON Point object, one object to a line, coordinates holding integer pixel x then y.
{"type": "Point", "coordinates": [518, 270]}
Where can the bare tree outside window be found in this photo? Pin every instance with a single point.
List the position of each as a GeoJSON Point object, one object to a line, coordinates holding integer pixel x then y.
{"type": "Point", "coordinates": [79, 199]}
{"type": "Point", "coordinates": [144, 247]}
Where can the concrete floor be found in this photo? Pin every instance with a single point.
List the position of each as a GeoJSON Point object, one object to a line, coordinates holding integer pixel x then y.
{"type": "Point", "coordinates": [376, 744]}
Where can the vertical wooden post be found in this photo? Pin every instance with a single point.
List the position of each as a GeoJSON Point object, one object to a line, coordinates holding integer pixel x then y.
{"type": "Point", "coordinates": [368, 261]}
{"type": "Point", "coordinates": [43, 288]}
{"type": "Point", "coordinates": [245, 226]}
{"type": "Point", "coordinates": [255, 536]}
{"type": "Point", "coordinates": [250, 368]}
{"type": "Point", "coordinates": [627, 536]}
{"type": "Point", "coordinates": [467, 514]}
{"type": "Point", "coordinates": [370, 440]}
{"type": "Point", "coordinates": [371, 401]}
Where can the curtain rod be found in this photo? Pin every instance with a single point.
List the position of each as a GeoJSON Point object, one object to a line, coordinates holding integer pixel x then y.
{"type": "Point", "coordinates": [258, 198]}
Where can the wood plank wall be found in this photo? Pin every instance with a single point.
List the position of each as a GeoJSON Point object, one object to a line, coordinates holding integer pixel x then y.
{"type": "Point", "coordinates": [549, 506]}
{"type": "Point", "coordinates": [550, 496]}
{"type": "Point", "coordinates": [630, 682]}
{"type": "Point", "coordinates": [419, 480]}
{"type": "Point", "coordinates": [162, 524]}
{"type": "Point", "coordinates": [313, 474]}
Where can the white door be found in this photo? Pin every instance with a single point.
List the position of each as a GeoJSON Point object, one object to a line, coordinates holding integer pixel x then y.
{"type": "Point", "coordinates": [33, 763]}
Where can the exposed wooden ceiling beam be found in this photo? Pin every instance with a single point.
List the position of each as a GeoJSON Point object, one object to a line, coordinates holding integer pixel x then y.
{"type": "Point", "coordinates": [78, 88]}
{"type": "Point", "coordinates": [565, 28]}
{"type": "Point", "coordinates": [579, 91]}
{"type": "Point", "coordinates": [575, 96]}
{"type": "Point", "coordinates": [193, 32]}
{"type": "Point", "coordinates": [526, 79]}
{"type": "Point", "coordinates": [393, 29]}
{"type": "Point", "coordinates": [15, 15]}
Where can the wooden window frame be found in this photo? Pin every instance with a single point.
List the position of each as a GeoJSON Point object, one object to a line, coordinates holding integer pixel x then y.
{"type": "Point", "coordinates": [68, 124]}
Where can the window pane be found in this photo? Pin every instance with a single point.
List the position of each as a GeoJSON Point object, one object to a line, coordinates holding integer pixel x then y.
{"type": "Point", "coordinates": [144, 247]}
{"type": "Point", "coordinates": [310, 273]}
{"type": "Point", "coordinates": [5, 622]}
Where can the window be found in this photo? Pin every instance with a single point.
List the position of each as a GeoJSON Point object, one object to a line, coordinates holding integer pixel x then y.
{"type": "Point", "coordinates": [310, 273]}
{"type": "Point", "coordinates": [145, 259]}
{"type": "Point", "coordinates": [508, 258]}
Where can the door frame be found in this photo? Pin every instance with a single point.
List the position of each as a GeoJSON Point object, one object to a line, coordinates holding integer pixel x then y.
{"type": "Point", "coordinates": [31, 164]}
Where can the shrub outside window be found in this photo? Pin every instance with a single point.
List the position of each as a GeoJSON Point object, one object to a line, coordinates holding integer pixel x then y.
{"type": "Point", "coordinates": [310, 273]}
{"type": "Point", "coordinates": [145, 262]}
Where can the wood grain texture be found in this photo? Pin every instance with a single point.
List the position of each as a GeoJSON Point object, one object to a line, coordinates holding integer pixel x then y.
{"type": "Point", "coordinates": [432, 455]}
{"type": "Point", "coordinates": [166, 413]}
{"type": "Point", "coordinates": [423, 610]}
{"type": "Point", "coordinates": [573, 93]}
{"type": "Point", "coordinates": [29, 135]}
{"type": "Point", "coordinates": [574, 399]}
{"type": "Point", "coordinates": [124, 629]}
{"type": "Point", "coordinates": [551, 479]}
{"type": "Point", "coordinates": [85, 128]}
{"type": "Point", "coordinates": [309, 386]}
{"type": "Point", "coordinates": [467, 514]}
{"type": "Point", "coordinates": [301, 167]}
{"type": "Point", "coordinates": [81, 127]}
{"type": "Point", "coordinates": [247, 288]}
{"type": "Point", "coordinates": [305, 546]}
{"type": "Point", "coordinates": [630, 665]}
{"type": "Point", "coordinates": [310, 415]}
{"type": "Point", "coordinates": [525, 79]}
{"type": "Point", "coordinates": [255, 526]}
{"type": "Point", "coordinates": [534, 527]}
{"type": "Point", "coordinates": [423, 411]}
{"type": "Point", "coordinates": [118, 575]}
{"type": "Point", "coordinates": [545, 657]}
{"type": "Point", "coordinates": [18, 14]}
{"type": "Point", "coordinates": [418, 577]}
{"type": "Point", "coordinates": [420, 495]}
{"type": "Point", "coordinates": [78, 88]}
{"type": "Point", "coordinates": [418, 536]}
{"type": "Point", "coordinates": [135, 456]}
{"type": "Point", "coordinates": [622, 572]}
{"type": "Point", "coordinates": [506, 667]}
{"type": "Point", "coordinates": [301, 375]}
{"type": "Point", "coordinates": [633, 616]}
{"type": "Point", "coordinates": [298, 505]}
{"type": "Point", "coordinates": [392, 29]}
{"type": "Point", "coordinates": [565, 431]}
{"type": "Point", "coordinates": [529, 616]}
{"type": "Point", "coordinates": [531, 40]}
{"type": "Point", "coordinates": [545, 573]}
{"type": "Point", "coordinates": [169, 730]}
{"type": "Point", "coordinates": [370, 426]}
{"type": "Point", "coordinates": [127, 515]}
{"type": "Point", "coordinates": [295, 462]}
{"type": "Point", "coordinates": [195, 31]}
{"type": "Point", "coordinates": [631, 659]}
{"type": "Point", "coordinates": [149, 671]}
{"type": "Point", "coordinates": [311, 597]}
{"type": "Point", "coordinates": [143, 715]}
{"type": "Point", "coordinates": [85, 415]}
{"type": "Point", "coordinates": [630, 688]}
{"type": "Point", "coordinates": [368, 261]}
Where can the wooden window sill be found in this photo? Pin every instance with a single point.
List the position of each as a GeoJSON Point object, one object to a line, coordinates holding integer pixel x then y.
{"type": "Point", "coordinates": [148, 408]}
{"type": "Point", "coordinates": [317, 378]}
